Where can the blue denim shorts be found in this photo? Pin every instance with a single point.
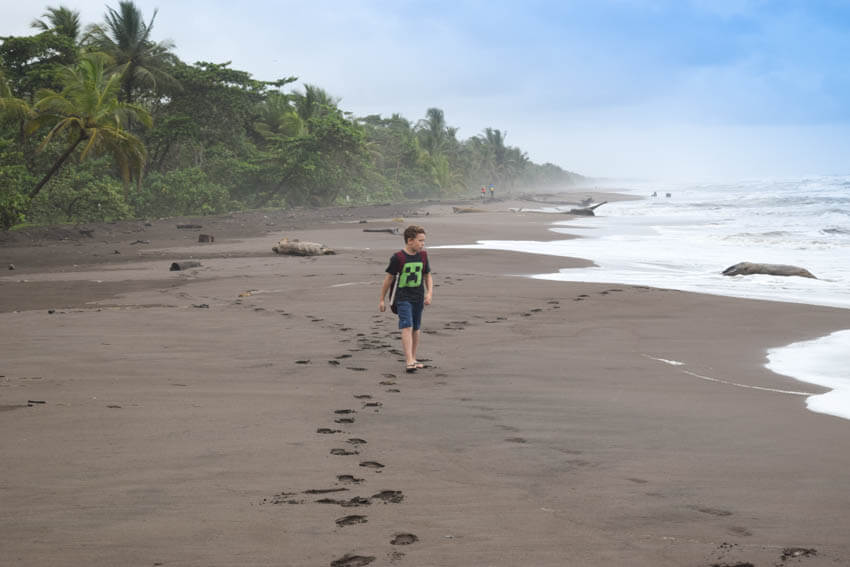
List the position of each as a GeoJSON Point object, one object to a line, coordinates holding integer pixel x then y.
{"type": "Point", "coordinates": [410, 314]}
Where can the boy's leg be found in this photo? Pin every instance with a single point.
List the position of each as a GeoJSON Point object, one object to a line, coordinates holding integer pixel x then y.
{"type": "Point", "coordinates": [414, 343]}
{"type": "Point", "coordinates": [408, 344]}
{"type": "Point", "coordinates": [405, 325]}
{"type": "Point", "coordinates": [416, 312]}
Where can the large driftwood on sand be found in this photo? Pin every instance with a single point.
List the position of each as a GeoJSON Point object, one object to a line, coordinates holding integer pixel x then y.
{"type": "Point", "coordinates": [749, 268]}
{"type": "Point", "coordinates": [467, 210]}
{"type": "Point", "coordinates": [298, 248]}
{"type": "Point", "coordinates": [586, 211]}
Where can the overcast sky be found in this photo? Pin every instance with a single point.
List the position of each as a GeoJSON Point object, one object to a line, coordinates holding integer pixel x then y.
{"type": "Point", "coordinates": [652, 89]}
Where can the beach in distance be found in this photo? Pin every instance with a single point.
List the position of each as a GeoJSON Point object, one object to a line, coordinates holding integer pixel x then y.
{"type": "Point", "coordinates": [254, 409]}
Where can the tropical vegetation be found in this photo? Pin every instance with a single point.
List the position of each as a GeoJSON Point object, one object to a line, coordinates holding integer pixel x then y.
{"type": "Point", "coordinates": [103, 122]}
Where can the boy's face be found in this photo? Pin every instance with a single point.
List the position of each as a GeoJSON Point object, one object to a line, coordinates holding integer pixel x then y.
{"type": "Point", "coordinates": [418, 243]}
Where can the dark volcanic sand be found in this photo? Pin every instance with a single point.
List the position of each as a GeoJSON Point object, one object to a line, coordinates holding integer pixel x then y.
{"type": "Point", "coordinates": [189, 417]}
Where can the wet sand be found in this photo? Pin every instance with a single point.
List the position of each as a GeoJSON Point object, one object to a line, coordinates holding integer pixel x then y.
{"type": "Point", "coordinates": [255, 411]}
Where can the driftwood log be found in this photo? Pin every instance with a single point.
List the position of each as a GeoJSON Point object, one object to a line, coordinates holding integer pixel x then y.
{"type": "Point", "coordinates": [185, 265]}
{"type": "Point", "coordinates": [750, 268]}
{"type": "Point", "coordinates": [298, 248]}
{"type": "Point", "coordinates": [389, 230]}
{"type": "Point", "coordinates": [586, 211]}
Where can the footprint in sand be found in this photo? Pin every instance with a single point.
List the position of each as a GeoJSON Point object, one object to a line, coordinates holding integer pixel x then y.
{"type": "Point", "coordinates": [389, 496]}
{"type": "Point", "coordinates": [348, 560]}
{"type": "Point", "coordinates": [348, 479]}
{"type": "Point", "coordinates": [284, 498]}
{"type": "Point", "coordinates": [327, 430]}
{"type": "Point", "coordinates": [344, 411]}
{"type": "Point", "coordinates": [351, 520]}
{"type": "Point", "coordinates": [371, 465]}
{"type": "Point", "coordinates": [344, 420]}
{"type": "Point", "coordinates": [403, 539]}
{"type": "Point", "coordinates": [395, 390]}
{"type": "Point", "coordinates": [343, 452]}
{"type": "Point", "coordinates": [372, 405]}
{"type": "Point", "coordinates": [351, 503]}
{"type": "Point", "coordinates": [356, 441]}
{"type": "Point", "coordinates": [363, 396]}
{"type": "Point", "coordinates": [325, 490]}
{"type": "Point", "coordinates": [711, 511]}
{"type": "Point", "coordinates": [333, 362]}
{"type": "Point", "coordinates": [516, 440]}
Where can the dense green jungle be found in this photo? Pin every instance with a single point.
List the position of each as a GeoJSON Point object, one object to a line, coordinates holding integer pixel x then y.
{"type": "Point", "coordinates": [103, 122]}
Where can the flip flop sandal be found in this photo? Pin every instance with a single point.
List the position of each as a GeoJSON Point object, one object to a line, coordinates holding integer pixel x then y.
{"type": "Point", "coordinates": [410, 367]}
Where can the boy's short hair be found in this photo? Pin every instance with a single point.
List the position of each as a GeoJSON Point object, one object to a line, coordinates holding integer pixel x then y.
{"type": "Point", "coordinates": [412, 231]}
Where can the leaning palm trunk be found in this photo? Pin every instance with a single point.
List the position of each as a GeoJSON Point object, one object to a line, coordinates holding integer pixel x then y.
{"type": "Point", "coordinates": [62, 159]}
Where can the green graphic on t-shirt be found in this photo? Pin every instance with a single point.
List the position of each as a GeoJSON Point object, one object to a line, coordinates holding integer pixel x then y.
{"type": "Point", "coordinates": [411, 275]}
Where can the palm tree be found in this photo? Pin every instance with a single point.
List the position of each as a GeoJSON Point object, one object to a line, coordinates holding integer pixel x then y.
{"type": "Point", "coordinates": [499, 162]}
{"type": "Point", "coordinates": [62, 20]}
{"type": "Point", "coordinates": [126, 38]}
{"type": "Point", "coordinates": [433, 132]}
{"type": "Point", "coordinates": [87, 111]}
{"type": "Point", "coordinates": [12, 108]}
{"type": "Point", "coordinates": [277, 118]}
{"type": "Point", "coordinates": [314, 102]}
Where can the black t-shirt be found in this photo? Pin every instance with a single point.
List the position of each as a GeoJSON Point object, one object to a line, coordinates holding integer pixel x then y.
{"type": "Point", "coordinates": [411, 285]}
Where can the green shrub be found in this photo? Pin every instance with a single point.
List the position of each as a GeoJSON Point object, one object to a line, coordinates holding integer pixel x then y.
{"type": "Point", "coordinates": [180, 192]}
{"type": "Point", "coordinates": [84, 192]}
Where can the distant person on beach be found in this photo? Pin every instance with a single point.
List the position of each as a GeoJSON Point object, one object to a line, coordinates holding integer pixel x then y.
{"type": "Point", "coordinates": [492, 191]}
{"type": "Point", "coordinates": [483, 193]}
{"type": "Point", "coordinates": [409, 274]}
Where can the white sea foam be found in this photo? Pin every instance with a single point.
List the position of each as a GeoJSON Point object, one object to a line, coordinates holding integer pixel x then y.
{"type": "Point", "coordinates": [685, 241]}
{"type": "Point", "coordinates": [825, 362]}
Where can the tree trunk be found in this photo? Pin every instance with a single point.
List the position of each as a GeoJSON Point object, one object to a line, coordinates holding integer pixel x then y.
{"type": "Point", "coordinates": [56, 166]}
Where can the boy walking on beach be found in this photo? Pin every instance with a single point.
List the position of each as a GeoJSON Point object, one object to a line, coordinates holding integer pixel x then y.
{"type": "Point", "coordinates": [413, 290]}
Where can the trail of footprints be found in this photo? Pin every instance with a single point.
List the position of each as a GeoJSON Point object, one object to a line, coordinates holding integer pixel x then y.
{"type": "Point", "coordinates": [340, 495]}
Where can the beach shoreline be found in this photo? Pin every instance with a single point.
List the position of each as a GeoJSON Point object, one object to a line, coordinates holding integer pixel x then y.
{"type": "Point", "coordinates": [182, 410]}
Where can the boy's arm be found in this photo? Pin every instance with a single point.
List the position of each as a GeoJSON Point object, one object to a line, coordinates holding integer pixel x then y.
{"type": "Point", "coordinates": [429, 288]}
{"type": "Point", "coordinates": [385, 287]}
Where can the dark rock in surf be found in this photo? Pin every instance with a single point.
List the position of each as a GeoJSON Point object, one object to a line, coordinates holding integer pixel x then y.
{"type": "Point", "coordinates": [750, 268]}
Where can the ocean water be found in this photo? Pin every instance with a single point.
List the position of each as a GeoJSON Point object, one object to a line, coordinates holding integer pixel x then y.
{"type": "Point", "coordinates": [686, 240]}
